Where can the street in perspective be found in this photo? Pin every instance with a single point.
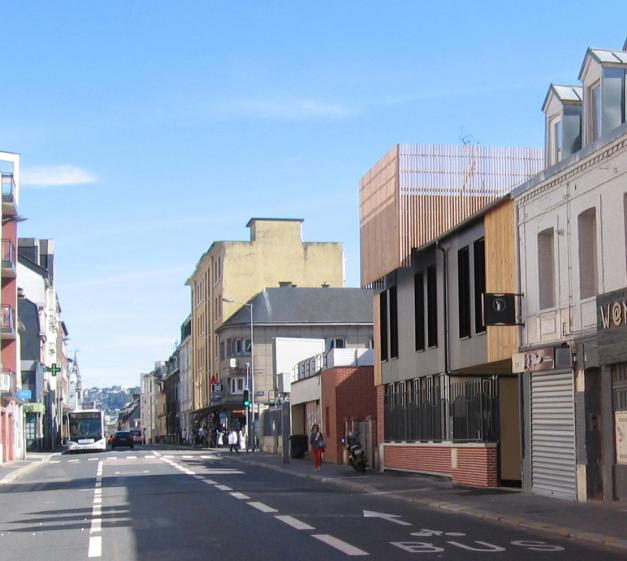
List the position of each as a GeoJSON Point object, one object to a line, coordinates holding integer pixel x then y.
{"type": "Point", "coordinates": [313, 281]}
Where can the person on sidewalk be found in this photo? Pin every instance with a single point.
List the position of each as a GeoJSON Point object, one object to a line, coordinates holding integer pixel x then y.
{"type": "Point", "coordinates": [317, 443]}
{"type": "Point", "coordinates": [233, 441]}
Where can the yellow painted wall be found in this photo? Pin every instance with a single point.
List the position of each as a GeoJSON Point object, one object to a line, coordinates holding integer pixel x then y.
{"type": "Point", "coordinates": [274, 254]}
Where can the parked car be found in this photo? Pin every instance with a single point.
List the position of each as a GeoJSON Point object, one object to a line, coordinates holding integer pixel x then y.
{"type": "Point", "coordinates": [122, 438]}
{"type": "Point", "coordinates": [138, 436]}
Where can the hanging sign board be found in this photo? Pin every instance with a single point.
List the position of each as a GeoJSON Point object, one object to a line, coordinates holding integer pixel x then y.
{"type": "Point", "coordinates": [499, 309]}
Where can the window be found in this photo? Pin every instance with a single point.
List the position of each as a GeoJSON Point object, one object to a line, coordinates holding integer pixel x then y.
{"type": "Point", "coordinates": [594, 112]}
{"type": "Point", "coordinates": [419, 311]}
{"type": "Point", "coordinates": [222, 350]}
{"type": "Point", "coordinates": [238, 346]}
{"type": "Point", "coordinates": [393, 323]}
{"type": "Point", "coordinates": [237, 385]}
{"type": "Point", "coordinates": [479, 270]}
{"type": "Point", "coordinates": [432, 307]}
{"type": "Point", "coordinates": [383, 324]}
{"type": "Point", "coordinates": [463, 291]}
{"type": "Point", "coordinates": [587, 230]}
{"type": "Point", "coordinates": [546, 269]}
{"type": "Point", "coordinates": [556, 141]}
{"type": "Point", "coordinates": [337, 343]}
{"type": "Point", "coordinates": [247, 346]}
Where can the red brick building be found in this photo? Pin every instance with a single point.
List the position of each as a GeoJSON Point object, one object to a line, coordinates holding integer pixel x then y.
{"type": "Point", "coordinates": [348, 397]}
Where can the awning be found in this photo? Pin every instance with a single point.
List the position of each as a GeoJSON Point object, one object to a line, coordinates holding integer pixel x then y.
{"type": "Point", "coordinates": [34, 408]}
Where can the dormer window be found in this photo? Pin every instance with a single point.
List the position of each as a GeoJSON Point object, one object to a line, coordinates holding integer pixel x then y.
{"type": "Point", "coordinates": [556, 141]}
{"type": "Point", "coordinates": [595, 115]}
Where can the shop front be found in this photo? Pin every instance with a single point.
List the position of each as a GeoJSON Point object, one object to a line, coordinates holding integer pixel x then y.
{"type": "Point", "coordinates": [612, 419]}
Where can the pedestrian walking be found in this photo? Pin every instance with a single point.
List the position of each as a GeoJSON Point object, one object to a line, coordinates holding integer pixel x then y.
{"type": "Point", "coordinates": [184, 437]}
{"type": "Point", "coordinates": [317, 443]}
{"type": "Point", "coordinates": [233, 441]}
{"type": "Point", "coordinates": [220, 442]}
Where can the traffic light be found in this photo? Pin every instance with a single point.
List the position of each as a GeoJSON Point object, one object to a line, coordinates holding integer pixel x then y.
{"type": "Point", "coordinates": [246, 398]}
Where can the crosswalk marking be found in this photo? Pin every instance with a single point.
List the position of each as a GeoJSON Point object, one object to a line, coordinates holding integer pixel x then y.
{"type": "Point", "coordinates": [342, 546]}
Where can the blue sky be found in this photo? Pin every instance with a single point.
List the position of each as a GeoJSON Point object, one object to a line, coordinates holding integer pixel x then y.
{"type": "Point", "coordinates": [150, 129]}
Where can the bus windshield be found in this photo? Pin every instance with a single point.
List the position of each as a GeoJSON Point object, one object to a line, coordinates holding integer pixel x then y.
{"type": "Point", "coordinates": [86, 425]}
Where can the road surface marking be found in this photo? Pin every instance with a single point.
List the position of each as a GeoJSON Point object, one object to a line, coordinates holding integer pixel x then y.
{"type": "Point", "coordinates": [188, 457]}
{"type": "Point", "coordinates": [146, 471]}
{"type": "Point", "coordinates": [73, 461]}
{"type": "Point", "coordinates": [157, 454]}
{"type": "Point", "coordinates": [131, 457]}
{"type": "Point", "coordinates": [224, 471]}
{"type": "Point", "coordinates": [112, 458]}
{"type": "Point", "coordinates": [223, 488]}
{"type": "Point", "coordinates": [206, 457]}
{"type": "Point", "coordinates": [169, 456]}
{"type": "Point", "coordinates": [150, 457]}
{"type": "Point", "coordinates": [262, 507]}
{"type": "Point", "coordinates": [239, 495]}
{"type": "Point", "coordinates": [95, 542]}
{"type": "Point", "coordinates": [293, 522]}
{"type": "Point", "coordinates": [342, 546]}
{"type": "Point", "coordinates": [92, 459]}
{"type": "Point", "coordinates": [54, 462]}
{"type": "Point", "coordinates": [210, 482]}
{"type": "Point", "coordinates": [95, 546]}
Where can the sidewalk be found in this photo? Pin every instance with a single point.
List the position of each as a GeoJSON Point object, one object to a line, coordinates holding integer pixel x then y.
{"type": "Point", "coordinates": [593, 523]}
{"type": "Point", "coordinates": [12, 471]}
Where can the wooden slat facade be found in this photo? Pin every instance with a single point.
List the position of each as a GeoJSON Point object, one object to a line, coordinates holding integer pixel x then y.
{"type": "Point", "coordinates": [417, 192]}
{"type": "Point", "coordinates": [500, 259]}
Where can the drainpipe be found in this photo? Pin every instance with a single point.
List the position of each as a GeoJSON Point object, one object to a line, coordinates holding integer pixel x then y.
{"type": "Point", "coordinates": [446, 333]}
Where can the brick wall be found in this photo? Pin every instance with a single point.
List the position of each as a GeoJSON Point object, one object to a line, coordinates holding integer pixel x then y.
{"type": "Point", "coordinates": [348, 393]}
{"type": "Point", "coordinates": [476, 465]}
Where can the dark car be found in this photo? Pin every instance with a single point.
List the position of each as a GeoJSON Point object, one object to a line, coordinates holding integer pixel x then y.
{"type": "Point", "coordinates": [137, 436]}
{"type": "Point", "coordinates": [122, 438]}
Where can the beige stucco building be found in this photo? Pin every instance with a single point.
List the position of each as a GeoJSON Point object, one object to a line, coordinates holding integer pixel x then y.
{"type": "Point", "coordinates": [275, 255]}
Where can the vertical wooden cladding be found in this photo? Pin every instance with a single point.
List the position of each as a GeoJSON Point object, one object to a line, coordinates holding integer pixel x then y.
{"type": "Point", "coordinates": [415, 193]}
{"type": "Point", "coordinates": [378, 210]}
{"type": "Point", "coordinates": [500, 250]}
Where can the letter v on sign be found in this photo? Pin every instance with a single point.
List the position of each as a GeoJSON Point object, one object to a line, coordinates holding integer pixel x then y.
{"type": "Point", "coordinates": [389, 517]}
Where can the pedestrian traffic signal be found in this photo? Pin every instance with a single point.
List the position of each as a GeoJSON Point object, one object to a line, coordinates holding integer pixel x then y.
{"type": "Point", "coordinates": [246, 398]}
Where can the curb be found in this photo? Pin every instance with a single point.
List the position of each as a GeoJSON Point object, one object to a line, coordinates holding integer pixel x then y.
{"type": "Point", "coordinates": [583, 537]}
{"type": "Point", "coordinates": [21, 472]}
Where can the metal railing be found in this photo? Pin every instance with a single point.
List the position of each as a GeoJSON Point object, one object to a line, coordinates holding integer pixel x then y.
{"type": "Point", "coordinates": [8, 320]}
{"type": "Point", "coordinates": [418, 411]}
{"type": "Point", "coordinates": [8, 255]}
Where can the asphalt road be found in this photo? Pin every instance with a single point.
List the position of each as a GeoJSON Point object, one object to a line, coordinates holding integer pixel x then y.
{"type": "Point", "coordinates": [196, 505]}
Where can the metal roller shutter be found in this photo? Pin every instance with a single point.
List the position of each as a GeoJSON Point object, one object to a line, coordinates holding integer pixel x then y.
{"type": "Point", "coordinates": [553, 460]}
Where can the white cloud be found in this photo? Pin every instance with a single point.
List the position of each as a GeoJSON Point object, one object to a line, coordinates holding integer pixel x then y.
{"type": "Point", "coordinates": [282, 109]}
{"type": "Point", "coordinates": [126, 277]}
{"type": "Point", "coordinates": [53, 176]}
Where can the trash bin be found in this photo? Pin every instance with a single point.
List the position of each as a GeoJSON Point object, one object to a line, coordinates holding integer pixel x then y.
{"type": "Point", "coordinates": [298, 445]}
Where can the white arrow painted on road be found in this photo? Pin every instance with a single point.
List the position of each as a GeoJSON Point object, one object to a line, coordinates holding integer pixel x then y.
{"type": "Point", "coordinates": [389, 517]}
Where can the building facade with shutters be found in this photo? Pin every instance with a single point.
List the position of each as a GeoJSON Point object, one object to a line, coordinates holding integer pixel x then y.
{"type": "Point", "coordinates": [571, 224]}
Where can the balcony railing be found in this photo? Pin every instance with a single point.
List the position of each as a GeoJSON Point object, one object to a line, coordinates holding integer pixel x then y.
{"type": "Point", "coordinates": [8, 326]}
{"type": "Point", "coordinates": [8, 188]}
{"type": "Point", "coordinates": [8, 256]}
{"type": "Point", "coordinates": [7, 383]}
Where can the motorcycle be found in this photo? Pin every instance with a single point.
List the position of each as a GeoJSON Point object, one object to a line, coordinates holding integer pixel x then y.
{"type": "Point", "coordinates": [356, 454]}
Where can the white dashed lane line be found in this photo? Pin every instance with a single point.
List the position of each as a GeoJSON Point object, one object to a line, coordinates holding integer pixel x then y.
{"type": "Point", "coordinates": [223, 488]}
{"type": "Point", "coordinates": [294, 522]}
{"type": "Point", "coordinates": [240, 496]}
{"type": "Point", "coordinates": [262, 507]}
{"type": "Point", "coordinates": [95, 541]}
{"type": "Point", "coordinates": [340, 545]}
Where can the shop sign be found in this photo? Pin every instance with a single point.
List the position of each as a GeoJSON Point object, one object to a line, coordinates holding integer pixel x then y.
{"type": "Point", "coordinates": [620, 426]}
{"type": "Point", "coordinates": [499, 309]}
{"type": "Point", "coordinates": [534, 361]}
{"type": "Point", "coordinates": [613, 314]}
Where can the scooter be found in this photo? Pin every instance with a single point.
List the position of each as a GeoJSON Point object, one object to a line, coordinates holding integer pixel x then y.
{"type": "Point", "coordinates": [356, 454]}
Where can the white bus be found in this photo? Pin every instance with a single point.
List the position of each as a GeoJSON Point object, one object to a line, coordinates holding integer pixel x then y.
{"type": "Point", "coordinates": [87, 430]}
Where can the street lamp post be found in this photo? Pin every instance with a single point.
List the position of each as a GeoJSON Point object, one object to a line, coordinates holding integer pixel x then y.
{"type": "Point", "coordinates": [250, 418]}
